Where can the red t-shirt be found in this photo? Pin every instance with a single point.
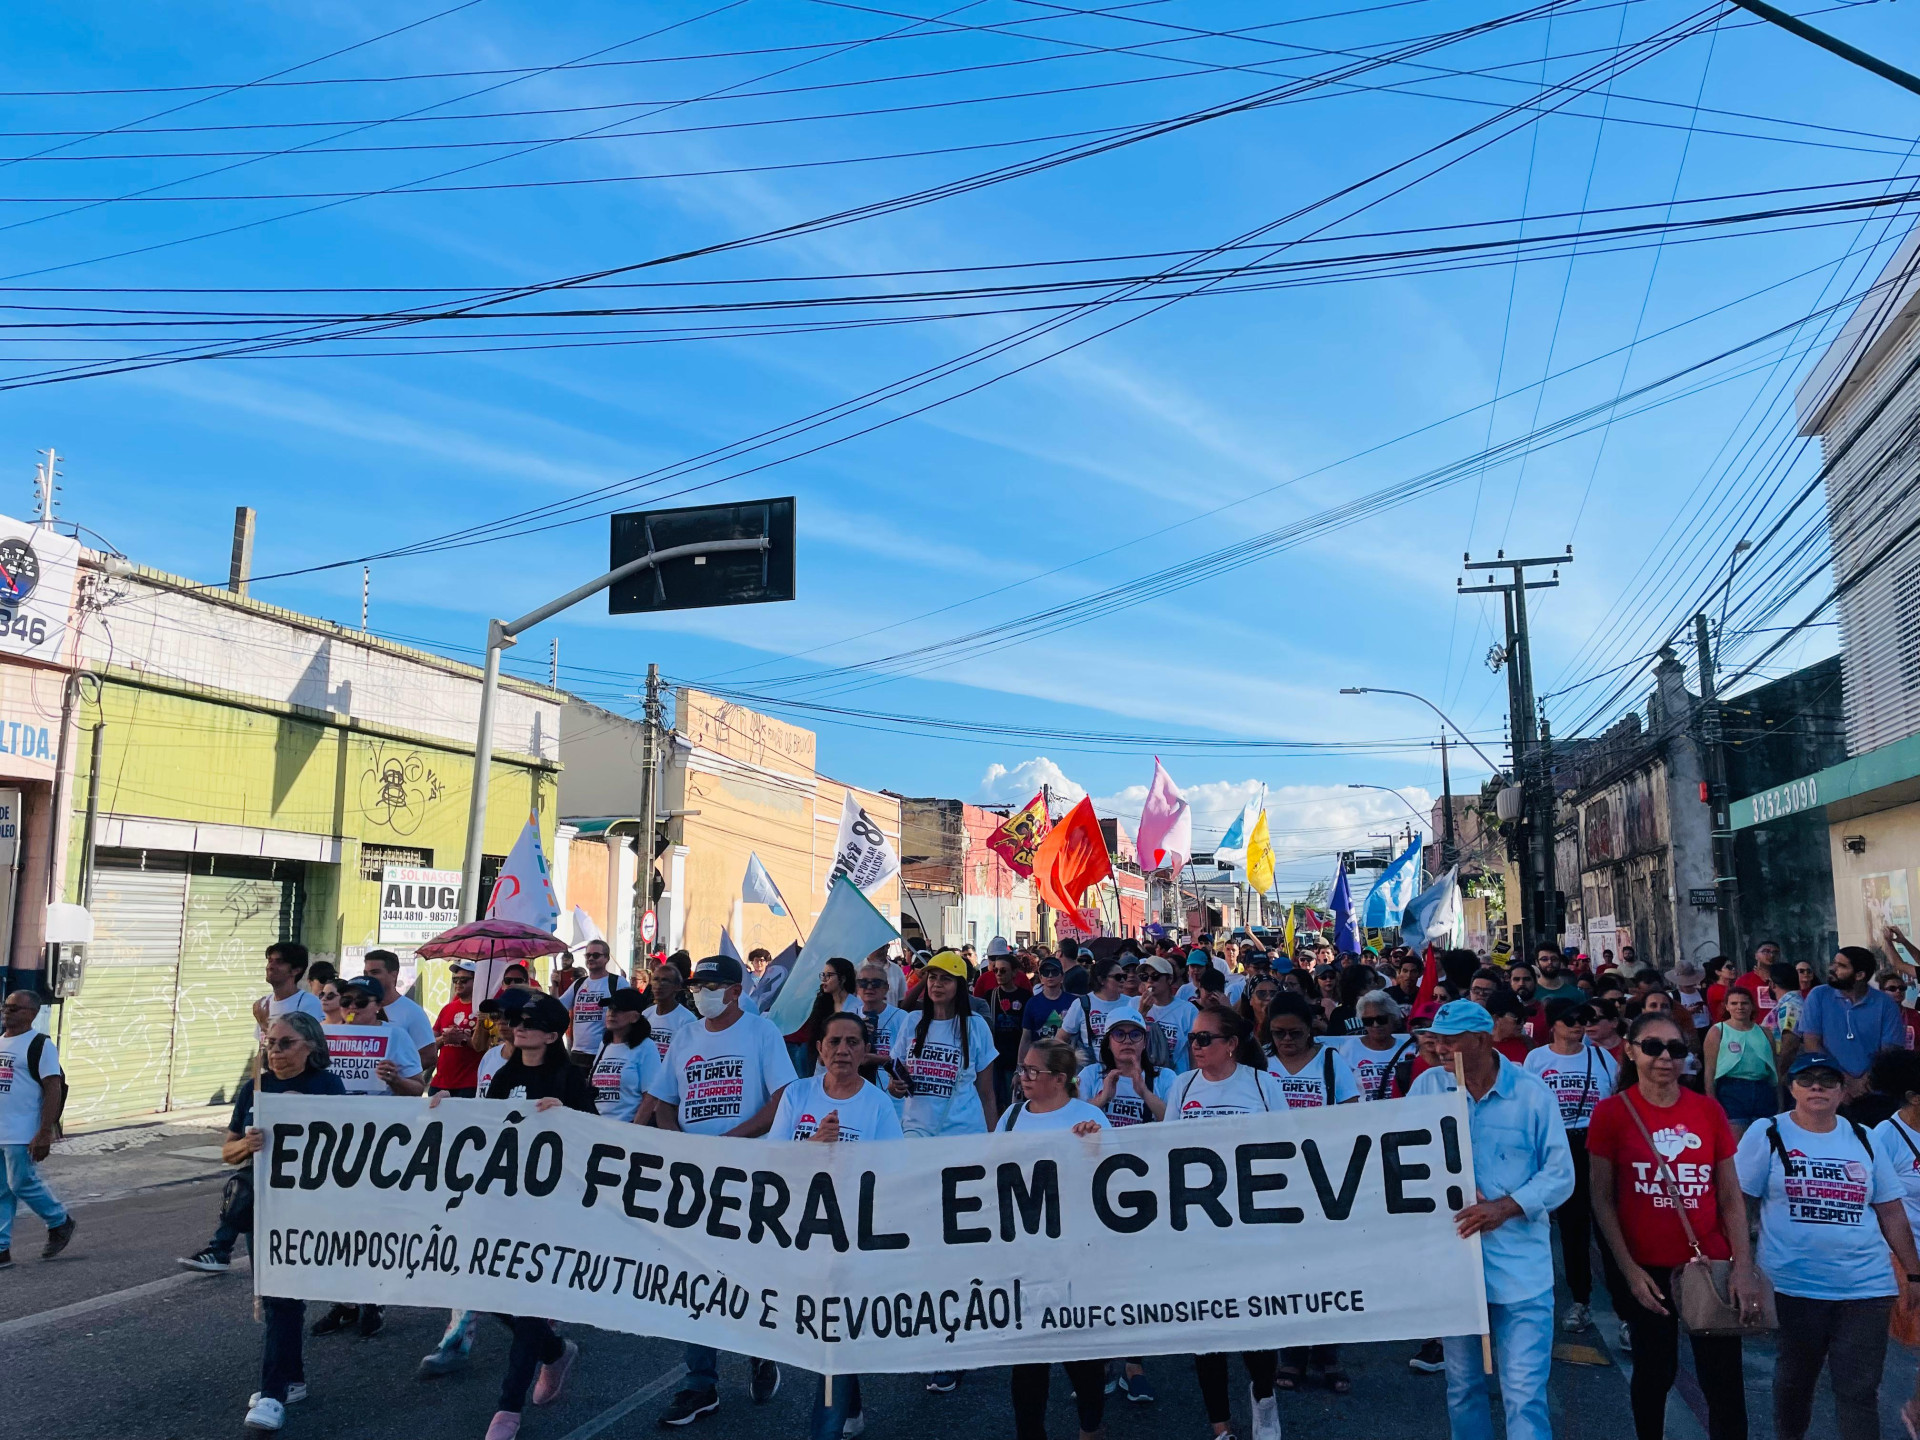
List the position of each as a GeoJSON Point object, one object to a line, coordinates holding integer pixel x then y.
{"type": "Point", "coordinates": [1694, 1136]}
{"type": "Point", "coordinates": [1760, 988]}
{"type": "Point", "coordinates": [458, 1066]}
{"type": "Point", "coordinates": [1911, 1019]}
{"type": "Point", "coordinates": [1716, 1003]}
{"type": "Point", "coordinates": [1515, 1049]}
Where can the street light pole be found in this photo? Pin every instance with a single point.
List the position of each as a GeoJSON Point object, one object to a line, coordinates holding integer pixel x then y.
{"type": "Point", "coordinates": [1378, 690]}
{"type": "Point", "coordinates": [1423, 819]}
{"type": "Point", "coordinates": [501, 635]}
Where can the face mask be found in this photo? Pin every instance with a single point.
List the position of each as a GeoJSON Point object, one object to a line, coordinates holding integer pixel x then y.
{"type": "Point", "coordinates": [709, 1003]}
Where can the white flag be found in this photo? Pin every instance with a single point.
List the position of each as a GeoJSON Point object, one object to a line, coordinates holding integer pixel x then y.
{"type": "Point", "coordinates": [758, 888]}
{"type": "Point", "coordinates": [584, 930]}
{"type": "Point", "coordinates": [524, 890]}
{"type": "Point", "coordinates": [862, 853]}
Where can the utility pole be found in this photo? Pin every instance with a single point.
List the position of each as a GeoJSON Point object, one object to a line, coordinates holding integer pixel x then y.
{"type": "Point", "coordinates": [651, 716]}
{"type": "Point", "coordinates": [1726, 886]}
{"type": "Point", "coordinates": [366, 594]}
{"type": "Point", "coordinates": [1530, 840]}
{"type": "Point", "coordinates": [553, 666]}
{"type": "Point", "coordinates": [1447, 849]}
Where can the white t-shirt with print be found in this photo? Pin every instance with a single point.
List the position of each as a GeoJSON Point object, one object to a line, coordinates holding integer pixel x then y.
{"type": "Point", "coordinates": [489, 1067]}
{"type": "Point", "coordinates": [869, 1115]}
{"type": "Point", "coordinates": [1819, 1237]}
{"type": "Point", "coordinates": [301, 1002]}
{"type": "Point", "coordinates": [666, 1026]}
{"type": "Point", "coordinates": [1306, 1089]}
{"type": "Point", "coordinates": [719, 1078]}
{"type": "Point", "coordinates": [19, 1095]}
{"type": "Point", "coordinates": [945, 1100]}
{"type": "Point", "coordinates": [621, 1075]}
{"type": "Point", "coordinates": [1065, 1118]}
{"type": "Point", "coordinates": [1126, 1107]}
{"type": "Point", "coordinates": [1370, 1067]}
{"type": "Point", "coordinates": [1245, 1092]}
{"type": "Point", "coordinates": [1903, 1144]}
{"type": "Point", "coordinates": [1578, 1082]}
{"type": "Point", "coordinates": [1086, 1020]}
{"type": "Point", "coordinates": [587, 1002]}
{"type": "Point", "coordinates": [884, 1030]}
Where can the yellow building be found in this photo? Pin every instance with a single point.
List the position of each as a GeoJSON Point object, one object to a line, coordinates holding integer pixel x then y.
{"type": "Point", "coordinates": [733, 783]}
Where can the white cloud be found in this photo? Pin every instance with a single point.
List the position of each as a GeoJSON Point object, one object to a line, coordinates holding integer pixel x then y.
{"type": "Point", "coordinates": [1015, 786]}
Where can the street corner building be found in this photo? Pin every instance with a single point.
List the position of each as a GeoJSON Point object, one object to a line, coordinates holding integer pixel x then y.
{"type": "Point", "coordinates": [235, 774]}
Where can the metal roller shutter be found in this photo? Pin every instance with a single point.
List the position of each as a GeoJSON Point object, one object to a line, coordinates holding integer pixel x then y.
{"type": "Point", "coordinates": [116, 1036]}
{"type": "Point", "coordinates": [230, 922]}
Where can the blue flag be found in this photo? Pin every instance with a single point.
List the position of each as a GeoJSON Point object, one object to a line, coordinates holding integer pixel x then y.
{"type": "Point", "coordinates": [1346, 939]}
{"type": "Point", "coordinates": [758, 887]}
{"type": "Point", "coordinates": [848, 927]}
{"type": "Point", "coordinates": [1391, 892]}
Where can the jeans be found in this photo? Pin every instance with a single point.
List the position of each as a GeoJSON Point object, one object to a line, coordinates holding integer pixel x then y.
{"type": "Point", "coordinates": [1523, 1349]}
{"type": "Point", "coordinates": [1575, 1219]}
{"type": "Point", "coordinates": [1211, 1371]}
{"type": "Point", "coordinates": [281, 1362]}
{"type": "Point", "coordinates": [703, 1368]}
{"type": "Point", "coordinates": [1850, 1338]}
{"type": "Point", "coordinates": [1656, 1360]}
{"type": "Point", "coordinates": [535, 1343]}
{"type": "Point", "coordinates": [1030, 1386]}
{"type": "Point", "coordinates": [20, 1181]}
{"type": "Point", "coordinates": [830, 1419]}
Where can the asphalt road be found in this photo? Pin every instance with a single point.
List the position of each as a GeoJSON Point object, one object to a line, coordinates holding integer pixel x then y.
{"type": "Point", "coordinates": [115, 1340]}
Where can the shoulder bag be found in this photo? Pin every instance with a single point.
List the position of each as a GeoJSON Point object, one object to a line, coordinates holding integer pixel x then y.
{"type": "Point", "coordinates": [1700, 1291]}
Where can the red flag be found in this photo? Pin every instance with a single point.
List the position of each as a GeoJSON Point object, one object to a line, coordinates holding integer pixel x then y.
{"type": "Point", "coordinates": [1072, 857]}
{"type": "Point", "coordinates": [1017, 836]}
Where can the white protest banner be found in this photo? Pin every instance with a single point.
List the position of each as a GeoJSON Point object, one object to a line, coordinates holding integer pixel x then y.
{"type": "Point", "coordinates": [352, 1053]}
{"type": "Point", "coordinates": [1322, 1226]}
{"type": "Point", "coordinates": [861, 852]}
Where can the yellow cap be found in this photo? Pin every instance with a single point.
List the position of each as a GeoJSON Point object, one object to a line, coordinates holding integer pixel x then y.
{"type": "Point", "coordinates": [949, 961]}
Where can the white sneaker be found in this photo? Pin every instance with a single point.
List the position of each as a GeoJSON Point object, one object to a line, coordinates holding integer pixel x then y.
{"type": "Point", "coordinates": [856, 1425]}
{"type": "Point", "coordinates": [296, 1392]}
{"type": "Point", "coordinates": [266, 1414]}
{"type": "Point", "coordinates": [1577, 1317]}
{"type": "Point", "coordinates": [1266, 1417]}
{"type": "Point", "coordinates": [1626, 1338]}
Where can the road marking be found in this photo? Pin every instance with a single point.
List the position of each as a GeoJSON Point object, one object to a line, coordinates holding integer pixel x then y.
{"type": "Point", "coordinates": [112, 1299]}
{"type": "Point", "coordinates": [606, 1418]}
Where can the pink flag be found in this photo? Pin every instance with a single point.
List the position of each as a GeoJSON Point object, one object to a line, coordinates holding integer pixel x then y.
{"type": "Point", "coordinates": [1165, 840]}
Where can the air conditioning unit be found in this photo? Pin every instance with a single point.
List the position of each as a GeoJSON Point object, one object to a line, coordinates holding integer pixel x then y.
{"type": "Point", "coordinates": [1507, 804]}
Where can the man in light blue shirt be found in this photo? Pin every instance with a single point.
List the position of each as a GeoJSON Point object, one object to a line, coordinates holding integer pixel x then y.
{"type": "Point", "coordinates": [1850, 1020]}
{"type": "Point", "coordinates": [1522, 1172]}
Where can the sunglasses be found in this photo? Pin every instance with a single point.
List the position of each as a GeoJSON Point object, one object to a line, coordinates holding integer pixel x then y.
{"type": "Point", "coordinates": [1672, 1049]}
{"type": "Point", "coordinates": [706, 985]}
{"type": "Point", "coordinates": [1818, 1080]}
{"type": "Point", "coordinates": [870, 984]}
{"type": "Point", "coordinates": [1386, 1020]}
{"type": "Point", "coordinates": [284, 1043]}
{"type": "Point", "coordinates": [1200, 1039]}
{"type": "Point", "coordinates": [1296, 1032]}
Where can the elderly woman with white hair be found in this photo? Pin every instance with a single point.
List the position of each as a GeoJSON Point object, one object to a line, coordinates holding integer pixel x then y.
{"type": "Point", "coordinates": [1381, 1047]}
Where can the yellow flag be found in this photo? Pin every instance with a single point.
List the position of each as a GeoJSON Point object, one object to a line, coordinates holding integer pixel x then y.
{"type": "Point", "coordinates": [1289, 945]}
{"type": "Point", "coordinates": [1260, 856]}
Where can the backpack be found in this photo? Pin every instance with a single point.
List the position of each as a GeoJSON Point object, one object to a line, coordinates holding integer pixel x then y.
{"type": "Point", "coordinates": [36, 1049]}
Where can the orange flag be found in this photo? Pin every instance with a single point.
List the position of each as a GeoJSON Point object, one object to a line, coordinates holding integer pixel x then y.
{"type": "Point", "coordinates": [1072, 857]}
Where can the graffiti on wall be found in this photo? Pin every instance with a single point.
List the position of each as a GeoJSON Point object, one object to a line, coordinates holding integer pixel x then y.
{"type": "Point", "coordinates": [396, 788]}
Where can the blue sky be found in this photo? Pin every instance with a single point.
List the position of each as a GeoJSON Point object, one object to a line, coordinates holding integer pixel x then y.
{"type": "Point", "coordinates": [1195, 427]}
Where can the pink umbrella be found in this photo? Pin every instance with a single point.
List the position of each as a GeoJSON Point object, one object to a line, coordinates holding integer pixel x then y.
{"type": "Point", "coordinates": [491, 940]}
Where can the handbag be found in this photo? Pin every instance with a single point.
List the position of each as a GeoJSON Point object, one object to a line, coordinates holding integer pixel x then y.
{"type": "Point", "coordinates": [1700, 1290]}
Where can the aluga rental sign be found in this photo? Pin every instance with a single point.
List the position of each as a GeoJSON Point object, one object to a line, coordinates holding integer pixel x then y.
{"type": "Point", "coordinates": [1327, 1225]}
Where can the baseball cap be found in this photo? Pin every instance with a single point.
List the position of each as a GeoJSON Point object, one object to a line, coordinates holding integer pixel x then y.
{"type": "Point", "coordinates": [1573, 1012]}
{"type": "Point", "coordinates": [1159, 964]}
{"type": "Point", "coordinates": [1051, 966]}
{"type": "Point", "coordinates": [1463, 1017]}
{"type": "Point", "coordinates": [1124, 1015]}
{"type": "Point", "coordinates": [723, 969]}
{"type": "Point", "coordinates": [951, 963]}
{"type": "Point", "coordinates": [1200, 958]}
{"type": "Point", "coordinates": [998, 946]}
{"type": "Point", "coordinates": [543, 1012]}
{"type": "Point", "coordinates": [627, 999]}
{"type": "Point", "coordinates": [1814, 1060]}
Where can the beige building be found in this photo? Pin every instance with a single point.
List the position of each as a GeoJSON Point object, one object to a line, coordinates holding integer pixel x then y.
{"type": "Point", "coordinates": [733, 783]}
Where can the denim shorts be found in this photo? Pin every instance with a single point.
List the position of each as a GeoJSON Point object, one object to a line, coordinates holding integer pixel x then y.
{"type": "Point", "coordinates": [1747, 1099]}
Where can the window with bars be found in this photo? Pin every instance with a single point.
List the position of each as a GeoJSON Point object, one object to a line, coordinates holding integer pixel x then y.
{"type": "Point", "coordinates": [374, 859]}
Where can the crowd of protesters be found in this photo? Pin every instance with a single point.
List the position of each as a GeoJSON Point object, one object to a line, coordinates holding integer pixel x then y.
{"type": "Point", "coordinates": [1761, 1117]}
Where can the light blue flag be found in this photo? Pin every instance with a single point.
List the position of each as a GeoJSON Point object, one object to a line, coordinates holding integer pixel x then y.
{"type": "Point", "coordinates": [850, 927]}
{"type": "Point", "coordinates": [758, 888]}
{"type": "Point", "coordinates": [1232, 849]}
{"type": "Point", "coordinates": [1391, 892]}
{"type": "Point", "coordinates": [1433, 917]}
{"type": "Point", "coordinates": [1346, 939]}
{"type": "Point", "coordinates": [727, 947]}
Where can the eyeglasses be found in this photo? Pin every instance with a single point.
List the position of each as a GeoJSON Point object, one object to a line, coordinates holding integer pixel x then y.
{"type": "Point", "coordinates": [285, 1043]}
{"type": "Point", "coordinates": [1031, 1072]}
{"type": "Point", "coordinates": [1672, 1049]}
{"type": "Point", "coordinates": [1386, 1020]}
{"type": "Point", "coordinates": [1818, 1080]}
{"type": "Point", "coordinates": [1200, 1039]}
{"type": "Point", "coordinates": [870, 984]}
{"type": "Point", "coordinates": [706, 985]}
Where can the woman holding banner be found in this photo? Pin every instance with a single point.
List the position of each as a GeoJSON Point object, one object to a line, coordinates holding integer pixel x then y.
{"type": "Point", "coordinates": [1229, 1077]}
{"type": "Point", "coordinates": [944, 1073]}
{"type": "Point", "coordinates": [836, 1105]}
{"type": "Point", "coordinates": [296, 1050]}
